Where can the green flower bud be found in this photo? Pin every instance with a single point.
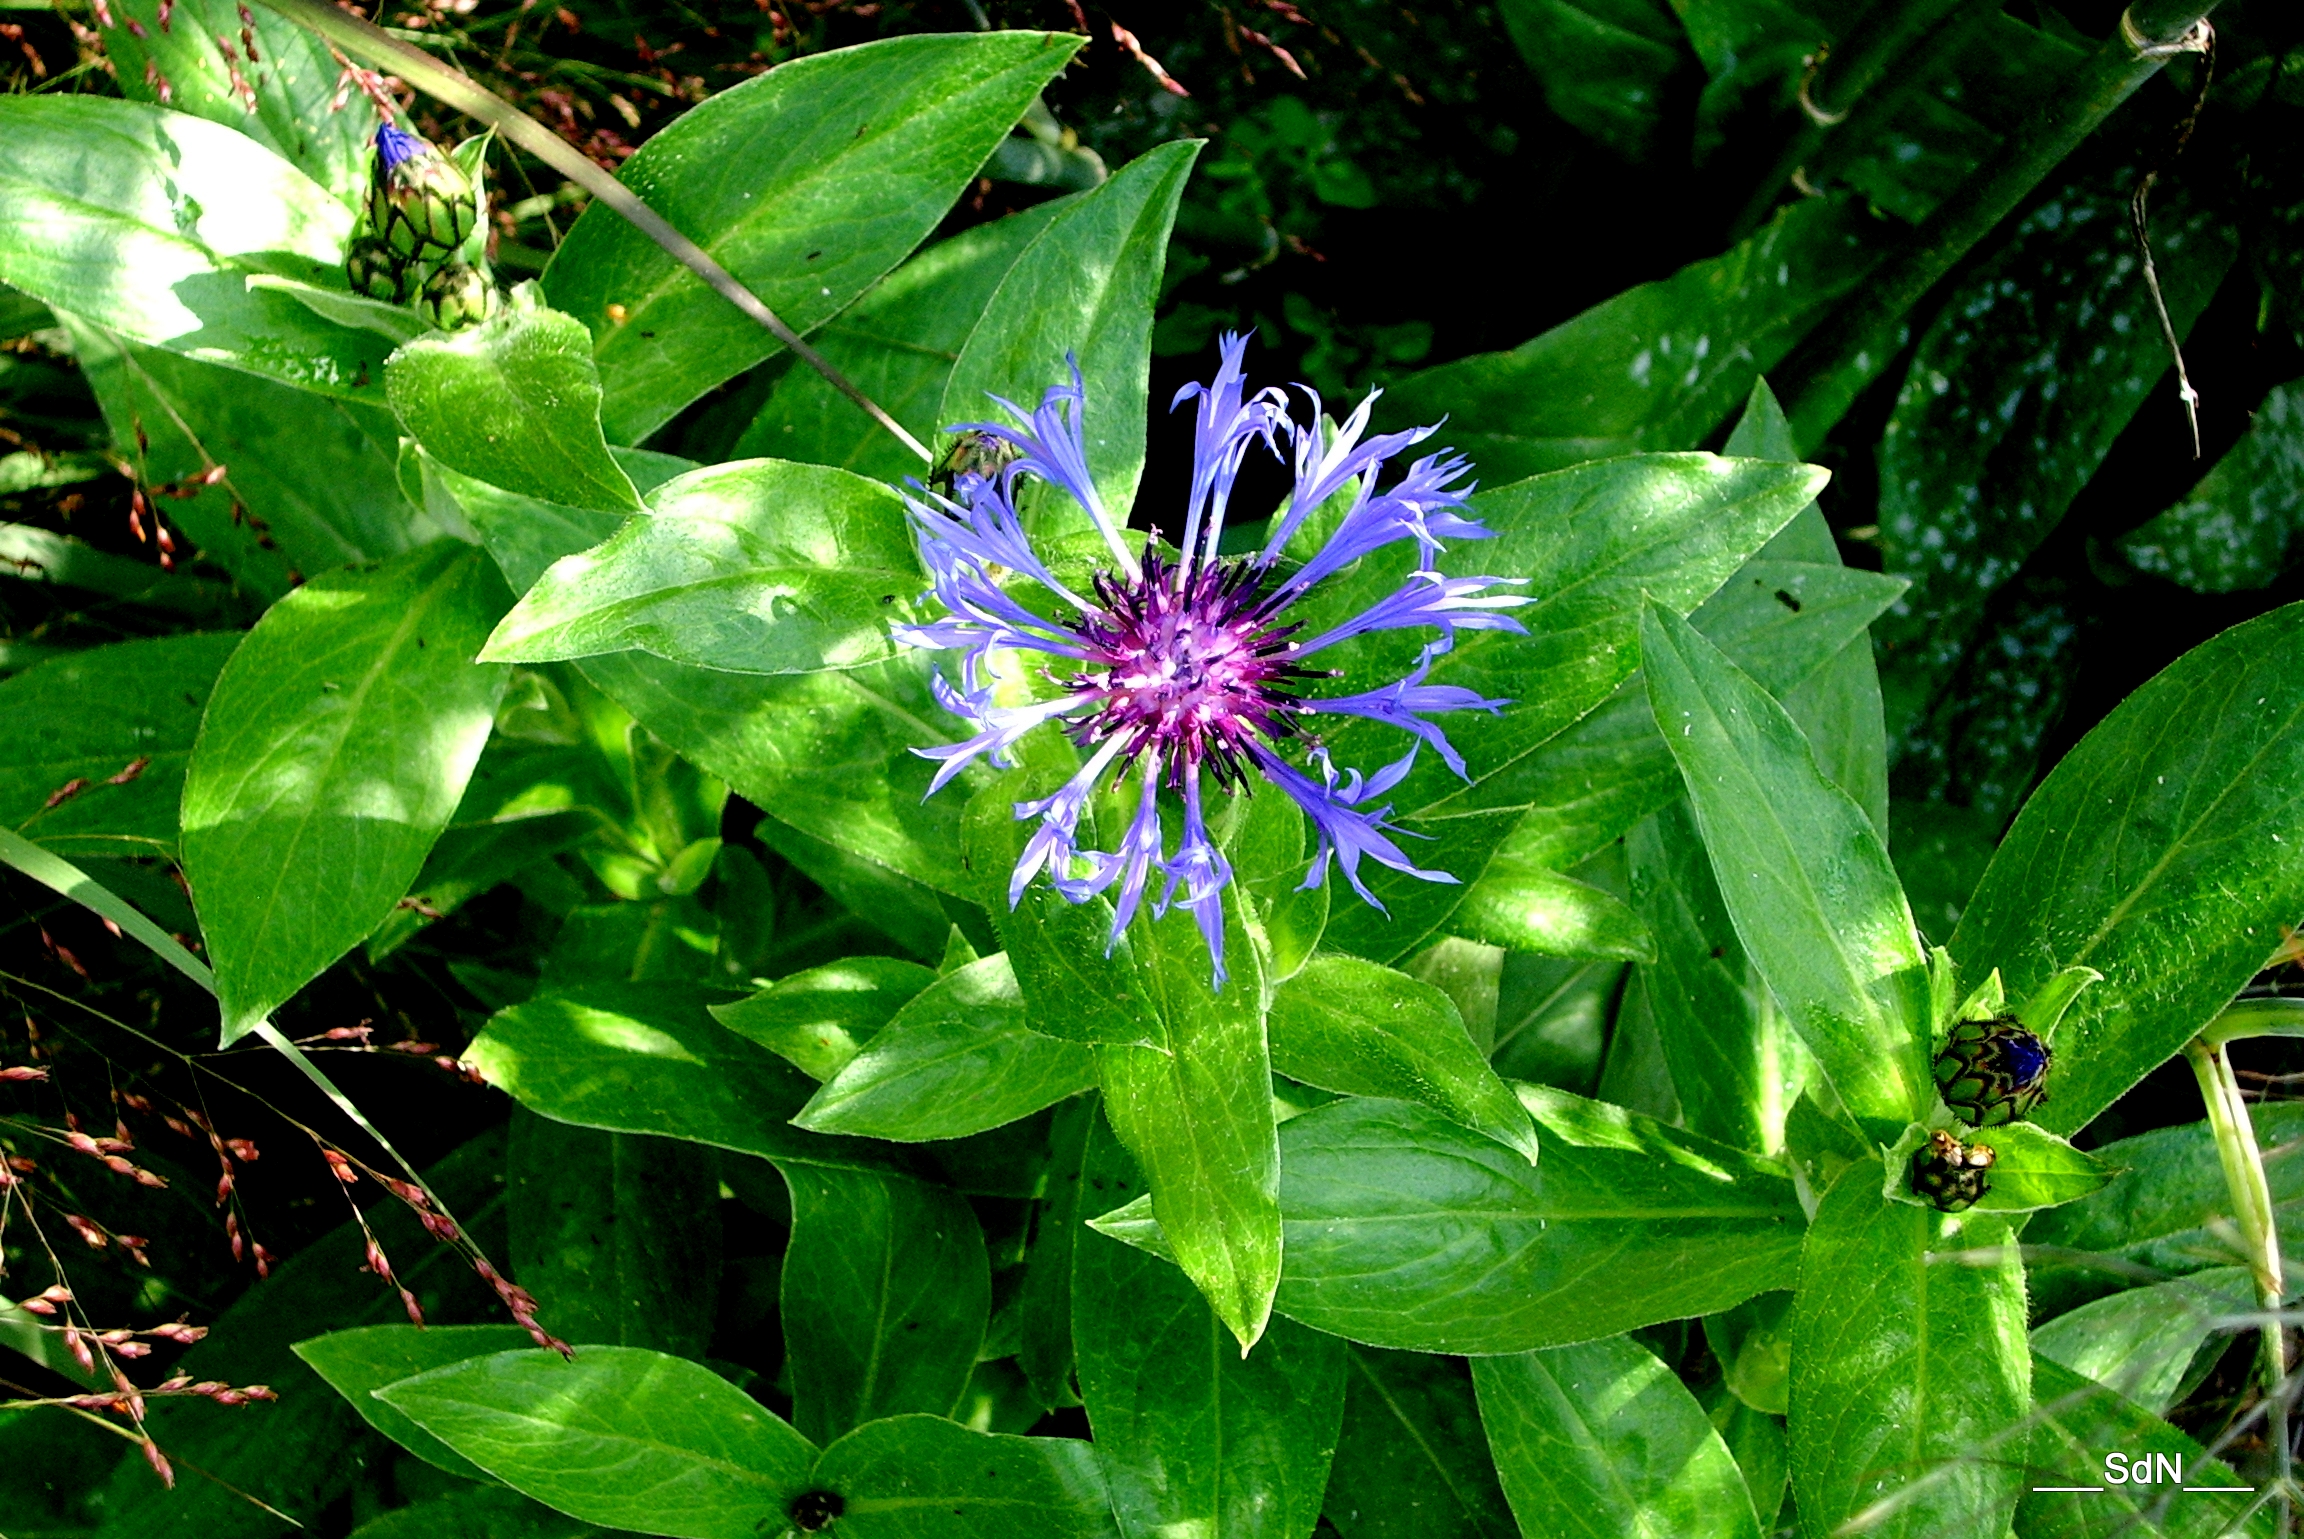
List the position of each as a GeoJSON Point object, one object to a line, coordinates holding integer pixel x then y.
{"type": "Point", "coordinates": [1951, 1174]}
{"type": "Point", "coordinates": [457, 295]}
{"type": "Point", "coordinates": [1993, 1072]}
{"type": "Point", "coordinates": [420, 202]}
{"type": "Point", "coordinates": [376, 270]}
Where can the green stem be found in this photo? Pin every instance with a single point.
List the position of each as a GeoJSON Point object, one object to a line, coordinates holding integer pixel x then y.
{"type": "Point", "coordinates": [374, 47]}
{"type": "Point", "coordinates": [1883, 35]}
{"type": "Point", "coordinates": [2255, 1018]}
{"type": "Point", "coordinates": [2251, 1194]}
{"type": "Point", "coordinates": [1843, 355]}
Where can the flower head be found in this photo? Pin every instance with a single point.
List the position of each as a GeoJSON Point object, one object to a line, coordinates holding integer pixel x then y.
{"type": "Point", "coordinates": [1178, 671]}
{"type": "Point", "coordinates": [420, 202]}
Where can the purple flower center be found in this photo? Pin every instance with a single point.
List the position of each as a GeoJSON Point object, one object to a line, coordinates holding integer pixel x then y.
{"type": "Point", "coordinates": [1190, 672]}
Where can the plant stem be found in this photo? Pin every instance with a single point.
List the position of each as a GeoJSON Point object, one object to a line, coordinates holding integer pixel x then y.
{"type": "Point", "coordinates": [1880, 39]}
{"type": "Point", "coordinates": [1844, 354]}
{"type": "Point", "coordinates": [2251, 1193]}
{"type": "Point", "coordinates": [375, 47]}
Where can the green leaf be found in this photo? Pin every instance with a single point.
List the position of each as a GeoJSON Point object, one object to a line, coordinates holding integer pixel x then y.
{"type": "Point", "coordinates": [1411, 1460]}
{"type": "Point", "coordinates": [897, 344]}
{"type": "Point", "coordinates": [2143, 1343]}
{"type": "Point", "coordinates": [357, 1362]}
{"type": "Point", "coordinates": [1657, 366]}
{"type": "Point", "coordinates": [1988, 444]}
{"type": "Point", "coordinates": [2160, 852]}
{"type": "Point", "coordinates": [647, 1058]}
{"type": "Point", "coordinates": [766, 567]}
{"type": "Point", "coordinates": [514, 403]}
{"type": "Point", "coordinates": [2169, 1210]}
{"type": "Point", "coordinates": [1356, 1028]}
{"type": "Point", "coordinates": [2079, 1423]}
{"type": "Point", "coordinates": [257, 72]}
{"type": "Point", "coordinates": [1730, 1049]}
{"type": "Point", "coordinates": [2231, 532]}
{"type": "Point", "coordinates": [908, 912]}
{"type": "Point", "coordinates": [1524, 906]}
{"type": "Point", "coordinates": [618, 1236]}
{"type": "Point", "coordinates": [885, 1294]}
{"type": "Point", "coordinates": [1198, 1115]}
{"type": "Point", "coordinates": [308, 478]}
{"type": "Point", "coordinates": [120, 721]}
{"type": "Point", "coordinates": [1803, 872]}
{"type": "Point", "coordinates": [477, 1512]}
{"type": "Point", "coordinates": [957, 1060]}
{"type": "Point", "coordinates": [1908, 1361]}
{"type": "Point", "coordinates": [2034, 1168]}
{"type": "Point", "coordinates": [1604, 64]}
{"type": "Point", "coordinates": [1044, 1295]}
{"type": "Point", "coordinates": [1404, 1230]}
{"type": "Point", "coordinates": [621, 1437]}
{"type": "Point", "coordinates": [473, 858]}
{"type": "Point", "coordinates": [333, 752]}
{"type": "Point", "coordinates": [1194, 1436]}
{"type": "Point", "coordinates": [820, 1019]}
{"type": "Point", "coordinates": [806, 184]}
{"type": "Point", "coordinates": [921, 1477]}
{"type": "Point", "coordinates": [1083, 289]}
{"type": "Point", "coordinates": [1602, 1439]}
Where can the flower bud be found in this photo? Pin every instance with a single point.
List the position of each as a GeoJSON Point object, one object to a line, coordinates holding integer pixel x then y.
{"type": "Point", "coordinates": [1992, 1072]}
{"type": "Point", "coordinates": [457, 295]}
{"type": "Point", "coordinates": [420, 202]}
{"type": "Point", "coordinates": [377, 271]}
{"type": "Point", "coordinates": [1950, 1174]}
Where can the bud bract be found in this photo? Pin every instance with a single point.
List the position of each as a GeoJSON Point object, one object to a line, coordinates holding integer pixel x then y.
{"type": "Point", "coordinates": [376, 270]}
{"type": "Point", "coordinates": [457, 295]}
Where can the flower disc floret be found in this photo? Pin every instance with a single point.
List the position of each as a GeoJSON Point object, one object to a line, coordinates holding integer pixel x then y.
{"type": "Point", "coordinates": [1177, 664]}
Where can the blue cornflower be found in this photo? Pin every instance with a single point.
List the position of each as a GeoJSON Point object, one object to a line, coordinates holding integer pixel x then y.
{"type": "Point", "coordinates": [1177, 664]}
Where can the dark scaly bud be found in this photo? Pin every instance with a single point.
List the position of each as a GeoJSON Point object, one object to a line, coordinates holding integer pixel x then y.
{"type": "Point", "coordinates": [377, 271]}
{"type": "Point", "coordinates": [1950, 1174]}
{"type": "Point", "coordinates": [1993, 1071]}
{"type": "Point", "coordinates": [457, 295]}
{"type": "Point", "coordinates": [420, 202]}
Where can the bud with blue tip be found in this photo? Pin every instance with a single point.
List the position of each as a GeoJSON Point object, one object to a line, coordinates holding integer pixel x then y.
{"type": "Point", "coordinates": [421, 203]}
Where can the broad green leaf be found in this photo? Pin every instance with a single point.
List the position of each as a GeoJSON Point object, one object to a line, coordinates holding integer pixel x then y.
{"type": "Point", "coordinates": [621, 1437]}
{"type": "Point", "coordinates": [308, 479]}
{"type": "Point", "coordinates": [820, 1019]}
{"type": "Point", "coordinates": [1655, 367]}
{"type": "Point", "coordinates": [1762, 1449]}
{"type": "Point", "coordinates": [617, 1235]}
{"type": "Point", "coordinates": [1356, 1028]}
{"type": "Point", "coordinates": [1909, 1362]}
{"type": "Point", "coordinates": [1732, 1054]}
{"type": "Point", "coordinates": [2232, 531]}
{"type": "Point", "coordinates": [897, 344]}
{"type": "Point", "coordinates": [921, 1477]}
{"type": "Point", "coordinates": [1592, 541]}
{"type": "Point", "coordinates": [1753, 1343]}
{"type": "Point", "coordinates": [907, 911]}
{"type": "Point", "coordinates": [1603, 1440]}
{"type": "Point", "coordinates": [1084, 289]}
{"type": "Point", "coordinates": [1198, 1117]}
{"type": "Point", "coordinates": [2161, 851]}
{"type": "Point", "coordinates": [2033, 1168]}
{"type": "Point", "coordinates": [2169, 1210]}
{"type": "Point", "coordinates": [806, 183]}
{"type": "Point", "coordinates": [514, 403]}
{"type": "Point", "coordinates": [1603, 64]}
{"type": "Point", "coordinates": [478, 1512]}
{"type": "Point", "coordinates": [253, 70]}
{"type": "Point", "coordinates": [1411, 1460]}
{"type": "Point", "coordinates": [1522, 905]}
{"type": "Point", "coordinates": [35, 555]}
{"type": "Point", "coordinates": [1804, 874]}
{"type": "Point", "coordinates": [357, 1362]}
{"type": "Point", "coordinates": [119, 721]}
{"type": "Point", "coordinates": [1404, 1230]}
{"type": "Point", "coordinates": [1552, 1019]}
{"type": "Point", "coordinates": [149, 223]}
{"type": "Point", "coordinates": [1044, 1295]}
{"type": "Point", "coordinates": [760, 567]}
{"type": "Point", "coordinates": [334, 750]}
{"type": "Point", "coordinates": [1989, 444]}
{"type": "Point", "coordinates": [2079, 1423]}
{"type": "Point", "coordinates": [2142, 1343]}
{"type": "Point", "coordinates": [885, 1294]}
{"type": "Point", "coordinates": [293, 1456]}
{"type": "Point", "coordinates": [1195, 1436]}
{"type": "Point", "coordinates": [648, 1058]}
{"type": "Point", "coordinates": [472, 858]}
{"type": "Point", "coordinates": [954, 1061]}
